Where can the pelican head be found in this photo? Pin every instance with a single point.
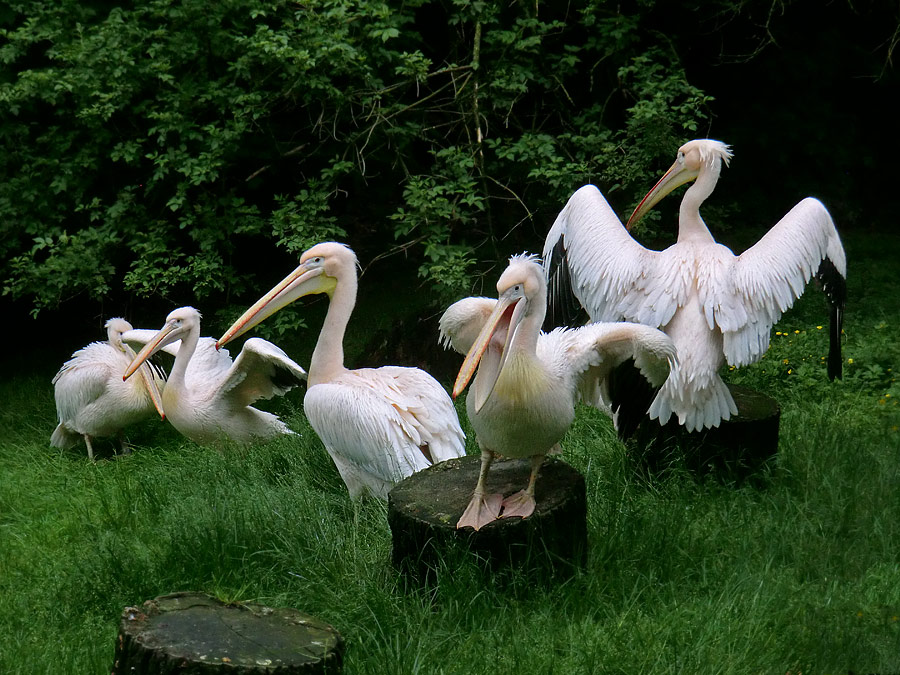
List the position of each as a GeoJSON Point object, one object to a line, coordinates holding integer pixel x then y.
{"type": "Point", "coordinates": [522, 292]}
{"type": "Point", "coordinates": [701, 156]}
{"type": "Point", "coordinates": [318, 272]}
{"type": "Point", "coordinates": [114, 329]}
{"type": "Point", "coordinates": [179, 323]}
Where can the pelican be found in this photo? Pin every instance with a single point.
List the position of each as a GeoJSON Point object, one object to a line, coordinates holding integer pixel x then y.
{"type": "Point", "coordinates": [207, 397]}
{"type": "Point", "coordinates": [716, 307]}
{"type": "Point", "coordinates": [528, 382]}
{"type": "Point", "coordinates": [91, 398]}
{"type": "Point", "coordinates": [379, 425]}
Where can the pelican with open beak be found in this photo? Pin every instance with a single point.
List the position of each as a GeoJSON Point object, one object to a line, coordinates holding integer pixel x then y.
{"type": "Point", "coordinates": [527, 382]}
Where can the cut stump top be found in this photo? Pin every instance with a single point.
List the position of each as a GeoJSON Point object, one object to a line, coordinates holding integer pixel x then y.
{"type": "Point", "coordinates": [423, 511]}
{"type": "Point", "coordinates": [194, 629]}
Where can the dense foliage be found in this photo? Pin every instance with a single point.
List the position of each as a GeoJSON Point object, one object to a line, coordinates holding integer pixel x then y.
{"type": "Point", "coordinates": [173, 148]}
{"type": "Point", "coordinates": [169, 144]}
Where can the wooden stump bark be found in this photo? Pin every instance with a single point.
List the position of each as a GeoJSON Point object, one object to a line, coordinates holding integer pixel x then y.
{"type": "Point", "coordinates": [735, 450]}
{"type": "Point", "coordinates": [195, 634]}
{"type": "Point", "coordinates": [424, 508]}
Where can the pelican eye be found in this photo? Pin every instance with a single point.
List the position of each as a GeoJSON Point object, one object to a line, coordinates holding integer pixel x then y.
{"type": "Point", "coordinates": [681, 156]}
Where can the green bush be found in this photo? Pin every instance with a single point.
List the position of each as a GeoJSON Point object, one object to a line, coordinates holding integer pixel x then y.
{"type": "Point", "coordinates": [165, 146]}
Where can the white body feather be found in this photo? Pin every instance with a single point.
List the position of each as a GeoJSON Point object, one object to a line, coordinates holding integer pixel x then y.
{"type": "Point", "coordinates": [380, 425]}
{"type": "Point", "coordinates": [91, 398]}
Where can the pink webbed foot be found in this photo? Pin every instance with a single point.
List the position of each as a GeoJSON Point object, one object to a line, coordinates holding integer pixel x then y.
{"type": "Point", "coordinates": [520, 504]}
{"type": "Point", "coordinates": [482, 509]}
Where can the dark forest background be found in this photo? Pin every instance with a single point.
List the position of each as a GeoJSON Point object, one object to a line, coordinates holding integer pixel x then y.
{"type": "Point", "coordinates": [166, 153]}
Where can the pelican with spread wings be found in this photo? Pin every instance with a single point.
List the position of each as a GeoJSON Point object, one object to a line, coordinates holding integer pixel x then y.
{"type": "Point", "coordinates": [717, 307]}
{"type": "Point", "coordinates": [523, 397]}
{"type": "Point", "coordinates": [207, 397]}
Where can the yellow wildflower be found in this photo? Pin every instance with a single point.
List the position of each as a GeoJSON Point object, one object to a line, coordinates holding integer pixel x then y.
{"type": "Point", "coordinates": [818, 327]}
{"type": "Point", "coordinates": [785, 361]}
{"type": "Point", "coordinates": [849, 360]}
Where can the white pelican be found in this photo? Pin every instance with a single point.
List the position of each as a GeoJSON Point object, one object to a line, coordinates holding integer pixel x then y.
{"type": "Point", "coordinates": [715, 306]}
{"type": "Point", "coordinates": [524, 394]}
{"type": "Point", "coordinates": [379, 425]}
{"type": "Point", "coordinates": [91, 398]}
{"type": "Point", "coordinates": [207, 397]}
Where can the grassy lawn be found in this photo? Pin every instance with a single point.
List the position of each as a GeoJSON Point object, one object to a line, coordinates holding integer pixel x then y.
{"type": "Point", "coordinates": [798, 572]}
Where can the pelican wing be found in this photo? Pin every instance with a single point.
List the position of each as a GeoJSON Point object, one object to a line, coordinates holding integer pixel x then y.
{"type": "Point", "coordinates": [770, 275]}
{"type": "Point", "coordinates": [461, 323]}
{"type": "Point", "coordinates": [261, 370]}
{"type": "Point", "coordinates": [386, 422]}
{"type": "Point", "coordinates": [83, 379]}
{"type": "Point", "coordinates": [617, 367]}
{"type": "Point", "coordinates": [589, 254]}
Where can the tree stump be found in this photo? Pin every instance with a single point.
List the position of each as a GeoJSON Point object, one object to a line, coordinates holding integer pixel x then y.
{"type": "Point", "coordinates": [735, 450]}
{"type": "Point", "coordinates": [424, 508]}
{"type": "Point", "coordinates": [195, 634]}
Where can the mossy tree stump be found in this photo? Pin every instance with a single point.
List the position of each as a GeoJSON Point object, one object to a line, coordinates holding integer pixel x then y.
{"type": "Point", "coordinates": [424, 508]}
{"type": "Point", "coordinates": [735, 450]}
{"type": "Point", "coordinates": [195, 634]}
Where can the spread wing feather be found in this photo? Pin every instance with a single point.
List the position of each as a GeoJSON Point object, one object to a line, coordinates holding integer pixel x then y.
{"type": "Point", "coordinates": [594, 355]}
{"type": "Point", "coordinates": [769, 276]}
{"type": "Point", "coordinates": [588, 253]}
{"type": "Point", "coordinates": [261, 370]}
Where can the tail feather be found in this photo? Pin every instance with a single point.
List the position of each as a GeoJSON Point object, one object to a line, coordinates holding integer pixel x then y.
{"type": "Point", "coordinates": [697, 406]}
{"type": "Point", "coordinates": [63, 437]}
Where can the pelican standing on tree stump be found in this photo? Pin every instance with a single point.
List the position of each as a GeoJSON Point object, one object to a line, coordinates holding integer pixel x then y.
{"type": "Point", "coordinates": [716, 307]}
{"type": "Point", "coordinates": [207, 397]}
{"type": "Point", "coordinates": [91, 398]}
{"type": "Point", "coordinates": [379, 425]}
{"type": "Point", "coordinates": [528, 382]}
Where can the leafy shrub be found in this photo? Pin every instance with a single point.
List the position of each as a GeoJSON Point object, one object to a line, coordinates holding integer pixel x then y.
{"type": "Point", "coordinates": [167, 146]}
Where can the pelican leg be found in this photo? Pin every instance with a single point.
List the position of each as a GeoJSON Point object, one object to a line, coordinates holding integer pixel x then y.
{"type": "Point", "coordinates": [482, 509]}
{"type": "Point", "coordinates": [521, 503]}
{"type": "Point", "coordinates": [123, 444]}
{"type": "Point", "coordinates": [90, 448]}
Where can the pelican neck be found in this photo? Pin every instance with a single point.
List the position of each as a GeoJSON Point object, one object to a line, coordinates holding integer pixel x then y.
{"type": "Point", "coordinates": [327, 360]}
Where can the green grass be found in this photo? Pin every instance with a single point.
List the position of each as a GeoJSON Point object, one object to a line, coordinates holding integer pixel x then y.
{"type": "Point", "coordinates": [798, 572]}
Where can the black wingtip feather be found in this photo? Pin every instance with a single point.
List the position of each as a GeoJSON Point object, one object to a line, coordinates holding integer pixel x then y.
{"type": "Point", "coordinates": [563, 307]}
{"type": "Point", "coordinates": [834, 285]}
{"type": "Point", "coordinates": [285, 379]}
{"type": "Point", "coordinates": [630, 397]}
